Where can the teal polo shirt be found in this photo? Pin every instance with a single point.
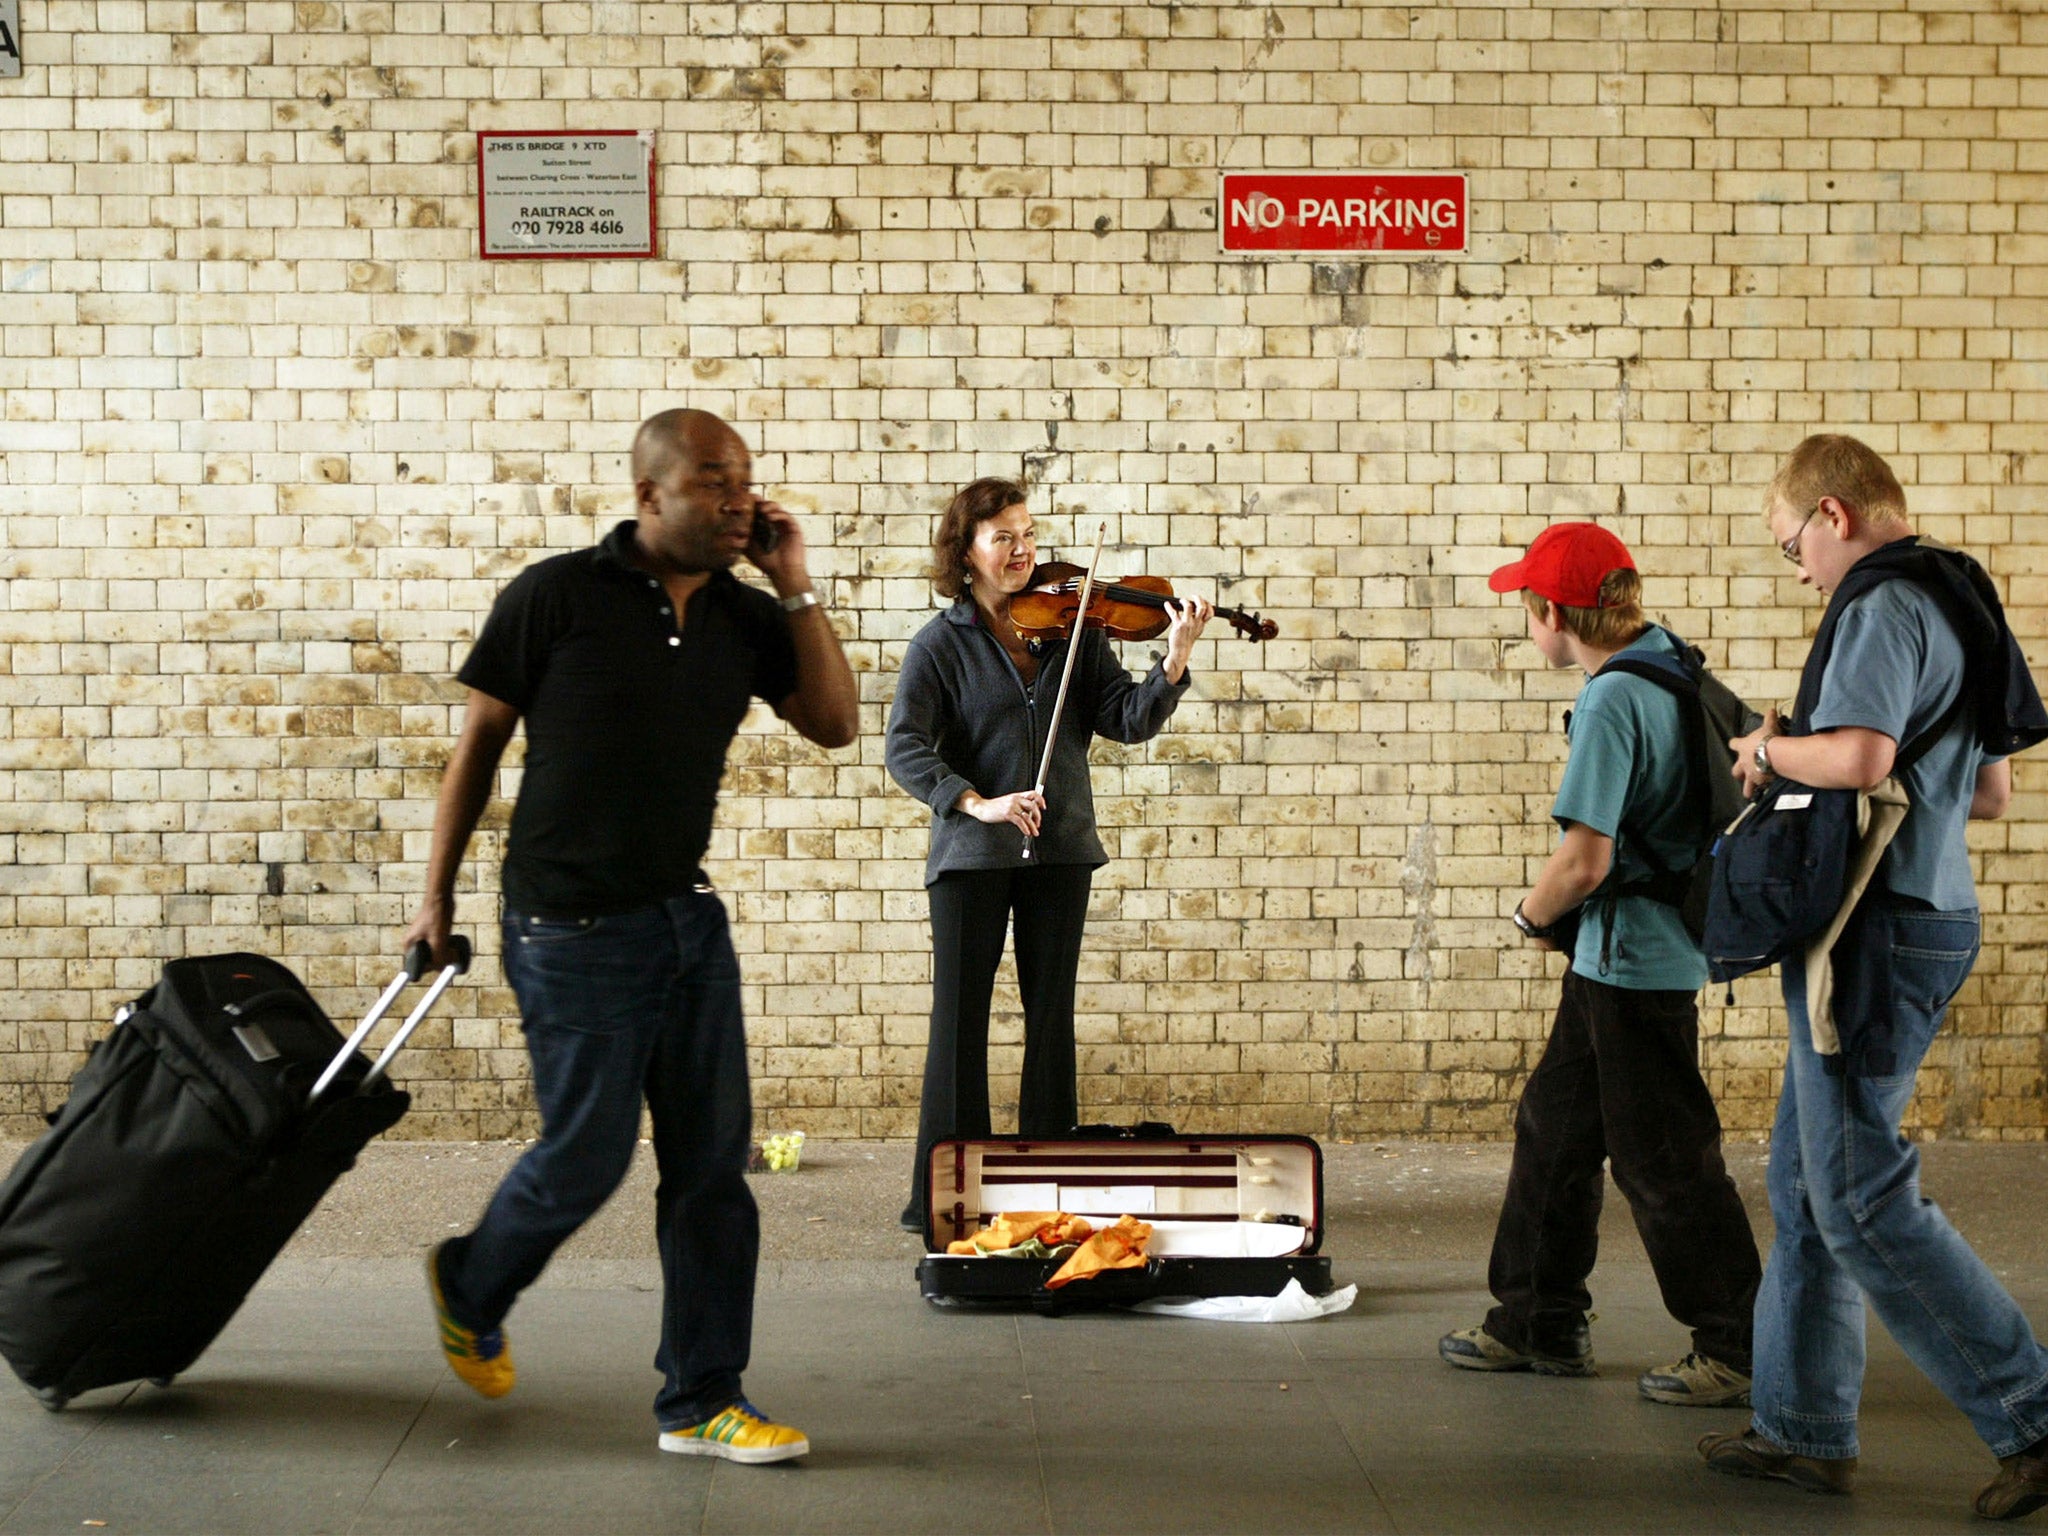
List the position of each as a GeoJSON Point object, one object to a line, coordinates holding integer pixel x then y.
{"type": "Point", "coordinates": [1628, 765]}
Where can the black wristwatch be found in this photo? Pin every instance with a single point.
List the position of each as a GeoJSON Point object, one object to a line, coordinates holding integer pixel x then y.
{"type": "Point", "coordinates": [1529, 929]}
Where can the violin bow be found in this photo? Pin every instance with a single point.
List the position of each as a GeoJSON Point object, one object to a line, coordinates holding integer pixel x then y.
{"type": "Point", "coordinates": [1052, 733]}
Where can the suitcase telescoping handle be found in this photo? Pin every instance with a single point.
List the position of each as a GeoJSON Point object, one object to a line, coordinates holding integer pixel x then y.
{"type": "Point", "coordinates": [418, 960]}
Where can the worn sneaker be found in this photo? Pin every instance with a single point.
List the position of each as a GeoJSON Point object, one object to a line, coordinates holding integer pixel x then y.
{"type": "Point", "coordinates": [482, 1360]}
{"type": "Point", "coordinates": [739, 1433]}
{"type": "Point", "coordinates": [2020, 1488]}
{"type": "Point", "coordinates": [1697, 1381]}
{"type": "Point", "coordinates": [1749, 1454]}
{"type": "Point", "coordinates": [1474, 1349]}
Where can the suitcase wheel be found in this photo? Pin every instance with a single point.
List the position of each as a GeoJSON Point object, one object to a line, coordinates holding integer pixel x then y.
{"type": "Point", "coordinates": [53, 1399]}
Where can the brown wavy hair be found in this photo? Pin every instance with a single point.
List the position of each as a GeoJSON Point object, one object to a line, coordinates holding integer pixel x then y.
{"type": "Point", "coordinates": [973, 506]}
{"type": "Point", "coordinates": [1618, 621]}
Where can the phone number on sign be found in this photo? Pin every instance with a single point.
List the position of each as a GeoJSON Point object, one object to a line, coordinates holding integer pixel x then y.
{"type": "Point", "coordinates": [567, 227]}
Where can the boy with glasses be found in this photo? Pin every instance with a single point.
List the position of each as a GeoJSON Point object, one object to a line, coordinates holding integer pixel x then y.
{"type": "Point", "coordinates": [1852, 1225]}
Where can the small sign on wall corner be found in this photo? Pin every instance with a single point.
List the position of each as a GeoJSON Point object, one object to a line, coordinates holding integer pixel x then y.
{"type": "Point", "coordinates": [10, 39]}
{"type": "Point", "coordinates": [567, 192]}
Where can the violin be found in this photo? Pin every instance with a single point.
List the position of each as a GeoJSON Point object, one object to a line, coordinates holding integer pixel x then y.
{"type": "Point", "coordinates": [1133, 608]}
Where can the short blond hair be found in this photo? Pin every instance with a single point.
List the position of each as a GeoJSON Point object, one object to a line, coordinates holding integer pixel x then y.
{"type": "Point", "coordinates": [1618, 621]}
{"type": "Point", "coordinates": [1829, 464]}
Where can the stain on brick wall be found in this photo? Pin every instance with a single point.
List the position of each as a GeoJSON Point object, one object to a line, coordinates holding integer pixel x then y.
{"type": "Point", "coordinates": [273, 437]}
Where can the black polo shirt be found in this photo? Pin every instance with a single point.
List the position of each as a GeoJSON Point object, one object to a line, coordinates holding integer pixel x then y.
{"type": "Point", "coordinates": [627, 721]}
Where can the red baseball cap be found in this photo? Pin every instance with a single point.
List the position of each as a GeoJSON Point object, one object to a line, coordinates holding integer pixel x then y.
{"type": "Point", "coordinates": [1566, 564]}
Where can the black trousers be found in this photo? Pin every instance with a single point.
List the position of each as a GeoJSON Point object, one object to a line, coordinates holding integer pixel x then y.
{"type": "Point", "coordinates": [1620, 1082]}
{"type": "Point", "coordinates": [972, 911]}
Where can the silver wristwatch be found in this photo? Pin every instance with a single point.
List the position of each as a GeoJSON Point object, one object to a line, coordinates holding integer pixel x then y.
{"type": "Point", "coordinates": [797, 602]}
{"type": "Point", "coordinates": [1762, 758]}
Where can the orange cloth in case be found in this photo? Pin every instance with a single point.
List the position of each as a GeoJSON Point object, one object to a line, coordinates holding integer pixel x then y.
{"type": "Point", "coordinates": [1119, 1247]}
{"type": "Point", "coordinates": [1055, 1229]}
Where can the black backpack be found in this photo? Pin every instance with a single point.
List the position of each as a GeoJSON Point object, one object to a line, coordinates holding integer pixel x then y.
{"type": "Point", "coordinates": [1711, 715]}
{"type": "Point", "coordinates": [1781, 870]}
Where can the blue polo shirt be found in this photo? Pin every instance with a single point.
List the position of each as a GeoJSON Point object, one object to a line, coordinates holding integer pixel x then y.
{"type": "Point", "coordinates": [1628, 764]}
{"type": "Point", "coordinates": [1896, 665]}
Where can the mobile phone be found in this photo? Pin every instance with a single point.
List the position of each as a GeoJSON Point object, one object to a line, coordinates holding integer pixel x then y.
{"type": "Point", "coordinates": [765, 535]}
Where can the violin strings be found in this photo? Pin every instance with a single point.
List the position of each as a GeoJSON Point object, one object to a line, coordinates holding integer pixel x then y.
{"type": "Point", "coordinates": [1139, 596]}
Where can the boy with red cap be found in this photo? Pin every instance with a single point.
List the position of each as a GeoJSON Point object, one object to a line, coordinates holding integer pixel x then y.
{"type": "Point", "coordinates": [1619, 1081]}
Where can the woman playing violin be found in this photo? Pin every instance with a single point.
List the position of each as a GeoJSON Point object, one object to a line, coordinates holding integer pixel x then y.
{"type": "Point", "coordinates": [966, 734]}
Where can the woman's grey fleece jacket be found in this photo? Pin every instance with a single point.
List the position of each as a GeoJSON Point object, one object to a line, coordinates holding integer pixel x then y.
{"type": "Point", "coordinates": [964, 719]}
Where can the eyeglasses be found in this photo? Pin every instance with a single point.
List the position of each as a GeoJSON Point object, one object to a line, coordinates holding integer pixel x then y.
{"type": "Point", "coordinates": [1790, 548]}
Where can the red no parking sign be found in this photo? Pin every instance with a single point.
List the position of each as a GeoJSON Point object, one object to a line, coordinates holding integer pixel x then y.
{"type": "Point", "coordinates": [1361, 212]}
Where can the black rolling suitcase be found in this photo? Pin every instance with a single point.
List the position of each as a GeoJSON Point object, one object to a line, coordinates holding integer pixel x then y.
{"type": "Point", "coordinates": [199, 1134]}
{"type": "Point", "coordinates": [1230, 1215]}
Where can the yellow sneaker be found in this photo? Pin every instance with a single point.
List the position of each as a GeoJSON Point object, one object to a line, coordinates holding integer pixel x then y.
{"type": "Point", "coordinates": [739, 1433]}
{"type": "Point", "coordinates": [482, 1360]}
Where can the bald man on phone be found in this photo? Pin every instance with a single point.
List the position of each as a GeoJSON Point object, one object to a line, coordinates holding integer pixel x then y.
{"type": "Point", "coordinates": [631, 665]}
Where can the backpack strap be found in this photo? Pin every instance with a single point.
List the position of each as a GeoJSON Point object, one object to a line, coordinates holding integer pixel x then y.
{"type": "Point", "coordinates": [1905, 559]}
{"type": "Point", "coordinates": [1678, 676]}
{"type": "Point", "coordinates": [1919, 746]}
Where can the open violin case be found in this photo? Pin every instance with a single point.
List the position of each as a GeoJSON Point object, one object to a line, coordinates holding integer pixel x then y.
{"type": "Point", "coordinates": [1230, 1215]}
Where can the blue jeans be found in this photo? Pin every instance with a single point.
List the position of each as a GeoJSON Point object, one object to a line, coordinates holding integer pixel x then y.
{"type": "Point", "coordinates": [1852, 1224]}
{"type": "Point", "coordinates": [644, 1004]}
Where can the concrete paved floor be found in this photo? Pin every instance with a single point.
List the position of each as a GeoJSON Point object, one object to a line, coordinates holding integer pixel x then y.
{"type": "Point", "coordinates": [325, 1408]}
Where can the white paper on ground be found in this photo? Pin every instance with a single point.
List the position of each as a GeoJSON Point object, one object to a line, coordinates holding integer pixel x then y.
{"type": "Point", "coordinates": [1293, 1305]}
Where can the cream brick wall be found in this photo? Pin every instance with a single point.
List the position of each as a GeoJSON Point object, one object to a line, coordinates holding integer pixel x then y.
{"type": "Point", "coordinates": [273, 437]}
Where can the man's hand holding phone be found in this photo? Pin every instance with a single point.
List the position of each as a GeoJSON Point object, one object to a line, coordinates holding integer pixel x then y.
{"type": "Point", "coordinates": [766, 535]}
{"type": "Point", "coordinates": [777, 547]}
